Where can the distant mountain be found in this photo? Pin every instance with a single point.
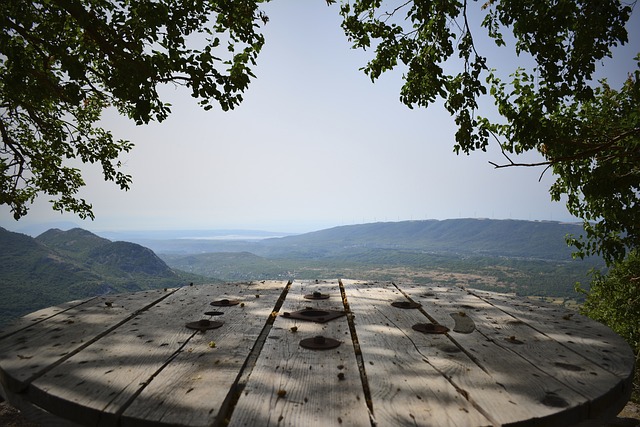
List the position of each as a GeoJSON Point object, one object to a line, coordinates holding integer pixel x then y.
{"type": "Point", "coordinates": [35, 229]}
{"type": "Point", "coordinates": [116, 258]}
{"type": "Point", "coordinates": [528, 257]}
{"type": "Point", "coordinates": [75, 242]}
{"type": "Point", "coordinates": [58, 266]}
{"type": "Point", "coordinates": [508, 238]}
{"type": "Point", "coordinates": [482, 237]}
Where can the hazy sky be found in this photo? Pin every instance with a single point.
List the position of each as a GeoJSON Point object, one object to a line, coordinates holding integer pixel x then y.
{"type": "Point", "coordinates": [314, 145]}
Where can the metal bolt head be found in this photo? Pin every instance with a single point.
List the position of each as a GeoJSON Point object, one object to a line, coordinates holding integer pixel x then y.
{"type": "Point", "coordinates": [430, 328]}
{"type": "Point", "coordinates": [319, 342]}
{"type": "Point", "coordinates": [203, 325]}
{"type": "Point", "coordinates": [405, 304]}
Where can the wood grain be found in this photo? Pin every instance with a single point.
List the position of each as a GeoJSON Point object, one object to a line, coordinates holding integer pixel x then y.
{"type": "Point", "coordinates": [560, 382]}
{"type": "Point", "coordinates": [193, 388]}
{"type": "Point", "coordinates": [32, 319]}
{"type": "Point", "coordinates": [588, 356]}
{"type": "Point", "coordinates": [294, 386]}
{"type": "Point", "coordinates": [407, 388]}
{"type": "Point", "coordinates": [37, 349]}
{"type": "Point", "coordinates": [129, 361]}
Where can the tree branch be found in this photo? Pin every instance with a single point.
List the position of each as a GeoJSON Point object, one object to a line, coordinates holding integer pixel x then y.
{"type": "Point", "coordinates": [18, 159]}
{"type": "Point", "coordinates": [590, 153]}
{"type": "Point", "coordinates": [393, 12]}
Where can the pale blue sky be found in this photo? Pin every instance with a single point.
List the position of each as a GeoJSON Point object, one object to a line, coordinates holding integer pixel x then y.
{"type": "Point", "coordinates": [314, 145]}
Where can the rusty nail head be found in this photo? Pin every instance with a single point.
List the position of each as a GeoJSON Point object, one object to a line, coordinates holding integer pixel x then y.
{"type": "Point", "coordinates": [314, 315]}
{"type": "Point", "coordinates": [405, 304]}
{"type": "Point", "coordinates": [203, 325]}
{"type": "Point", "coordinates": [430, 328]}
{"type": "Point", "coordinates": [316, 295]}
{"type": "Point", "coordinates": [213, 313]}
{"type": "Point", "coordinates": [319, 342]}
{"type": "Point", "coordinates": [225, 303]}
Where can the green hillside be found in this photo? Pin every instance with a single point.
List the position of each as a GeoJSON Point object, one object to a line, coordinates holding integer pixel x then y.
{"type": "Point", "coordinates": [230, 266]}
{"type": "Point", "coordinates": [59, 266]}
{"type": "Point", "coordinates": [476, 237]}
{"type": "Point", "coordinates": [75, 243]}
{"type": "Point", "coordinates": [526, 257]}
{"type": "Point", "coordinates": [511, 238]}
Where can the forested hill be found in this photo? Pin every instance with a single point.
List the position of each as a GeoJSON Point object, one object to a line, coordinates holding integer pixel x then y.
{"type": "Point", "coordinates": [58, 266]}
{"type": "Point", "coordinates": [510, 238]}
{"type": "Point", "coordinates": [114, 258]}
{"type": "Point", "coordinates": [481, 237]}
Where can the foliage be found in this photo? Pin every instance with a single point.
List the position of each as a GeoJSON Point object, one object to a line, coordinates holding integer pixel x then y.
{"type": "Point", "coordinates": [614, 299]}
{"type": "Point", "coordinates": [589, 137]}
{"type": "Point", "coordinates": [63, 63]}
{"type": "Point", "coordinates": [544, 278]}
{"type": "Point", "coordinates": [596, 164]}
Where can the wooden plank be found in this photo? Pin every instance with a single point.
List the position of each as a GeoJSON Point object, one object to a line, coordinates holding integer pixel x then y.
{"type": "Point", "coordinates": [589, 338]}
{"type": "Point", "coordinates": [294, 386]}
{"type": "Point", "coordinates": [589, 356]}
{"type": "Point", "coordinates": [192, 388]}
{"type": "Point", "coordinates": [559, 382]}
{"type": "Point", "coordinates": [36, 317]}
{"type": "Point", "coordinates": [468, 378]}
{"type": "Point", "coordinates": [93, 386]}
{"type": "Point", "coordinates": [407, 388]}
{"type": "Point", "coordinates": [35, 350]}
{"type": "Point", "coordinates": [132, 362]}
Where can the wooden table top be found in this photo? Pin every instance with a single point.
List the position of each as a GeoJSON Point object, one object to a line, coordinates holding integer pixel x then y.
{"type": "Point", "coordinates": [130, 359]}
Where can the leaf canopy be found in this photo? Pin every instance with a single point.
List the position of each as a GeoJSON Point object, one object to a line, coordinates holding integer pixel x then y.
{"type": "Point", "coordinates": [63, 62]}
{"type": "Point", "coordinates": [586, 132]}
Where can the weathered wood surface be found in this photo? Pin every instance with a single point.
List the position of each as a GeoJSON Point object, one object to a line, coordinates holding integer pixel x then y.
{"type": "Point", "coordinates": [293, 386]}
{"type": "Point", "coordinates": [33, 351]}
{"type": "Point", "coordinates": [196, 385]}
{"type": "Point", "coordinates": [129, 360]}
{"type": "Point", "coordinates": [511, 350]}
{"type": "Point", "coordinates": [406, 387]}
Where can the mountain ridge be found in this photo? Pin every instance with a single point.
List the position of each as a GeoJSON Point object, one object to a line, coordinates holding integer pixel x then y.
{"type": "Point", "coordinates": [510, 238]}
{"type": "Point", "coordinates": [58, 266]}
{"type": "Point", "coordinates": [526, 257]}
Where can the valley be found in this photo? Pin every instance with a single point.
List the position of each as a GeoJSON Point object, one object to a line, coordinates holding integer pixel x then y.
{"type": "Point", "coordinates": [524, 257]}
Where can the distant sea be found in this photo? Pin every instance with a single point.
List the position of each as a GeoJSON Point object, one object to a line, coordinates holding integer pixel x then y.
{"type": "Point", "coordinates": [234, 237]}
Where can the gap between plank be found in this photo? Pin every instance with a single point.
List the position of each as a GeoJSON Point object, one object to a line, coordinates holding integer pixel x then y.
{"type": "Point", "coordinates": [228, 405]}
{"type": "Point", "coordinates": [434, 321]}
{"type": "Point", "coordinates": [96, 338]}
{"type": "Point", "coordinates": [145, 383]}
{"type": "Point", "coordinates": [48, 317]}
{"type": "Point", "coordinates": [458, 389]}
{"type": "Point", "coordinates": [624, 383]}
{"type": "Point", "coordinates": [358, 352]}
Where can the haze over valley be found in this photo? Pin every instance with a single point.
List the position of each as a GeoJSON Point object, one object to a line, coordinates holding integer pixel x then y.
{"type": "Point", "coordinates": [526, 257]}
